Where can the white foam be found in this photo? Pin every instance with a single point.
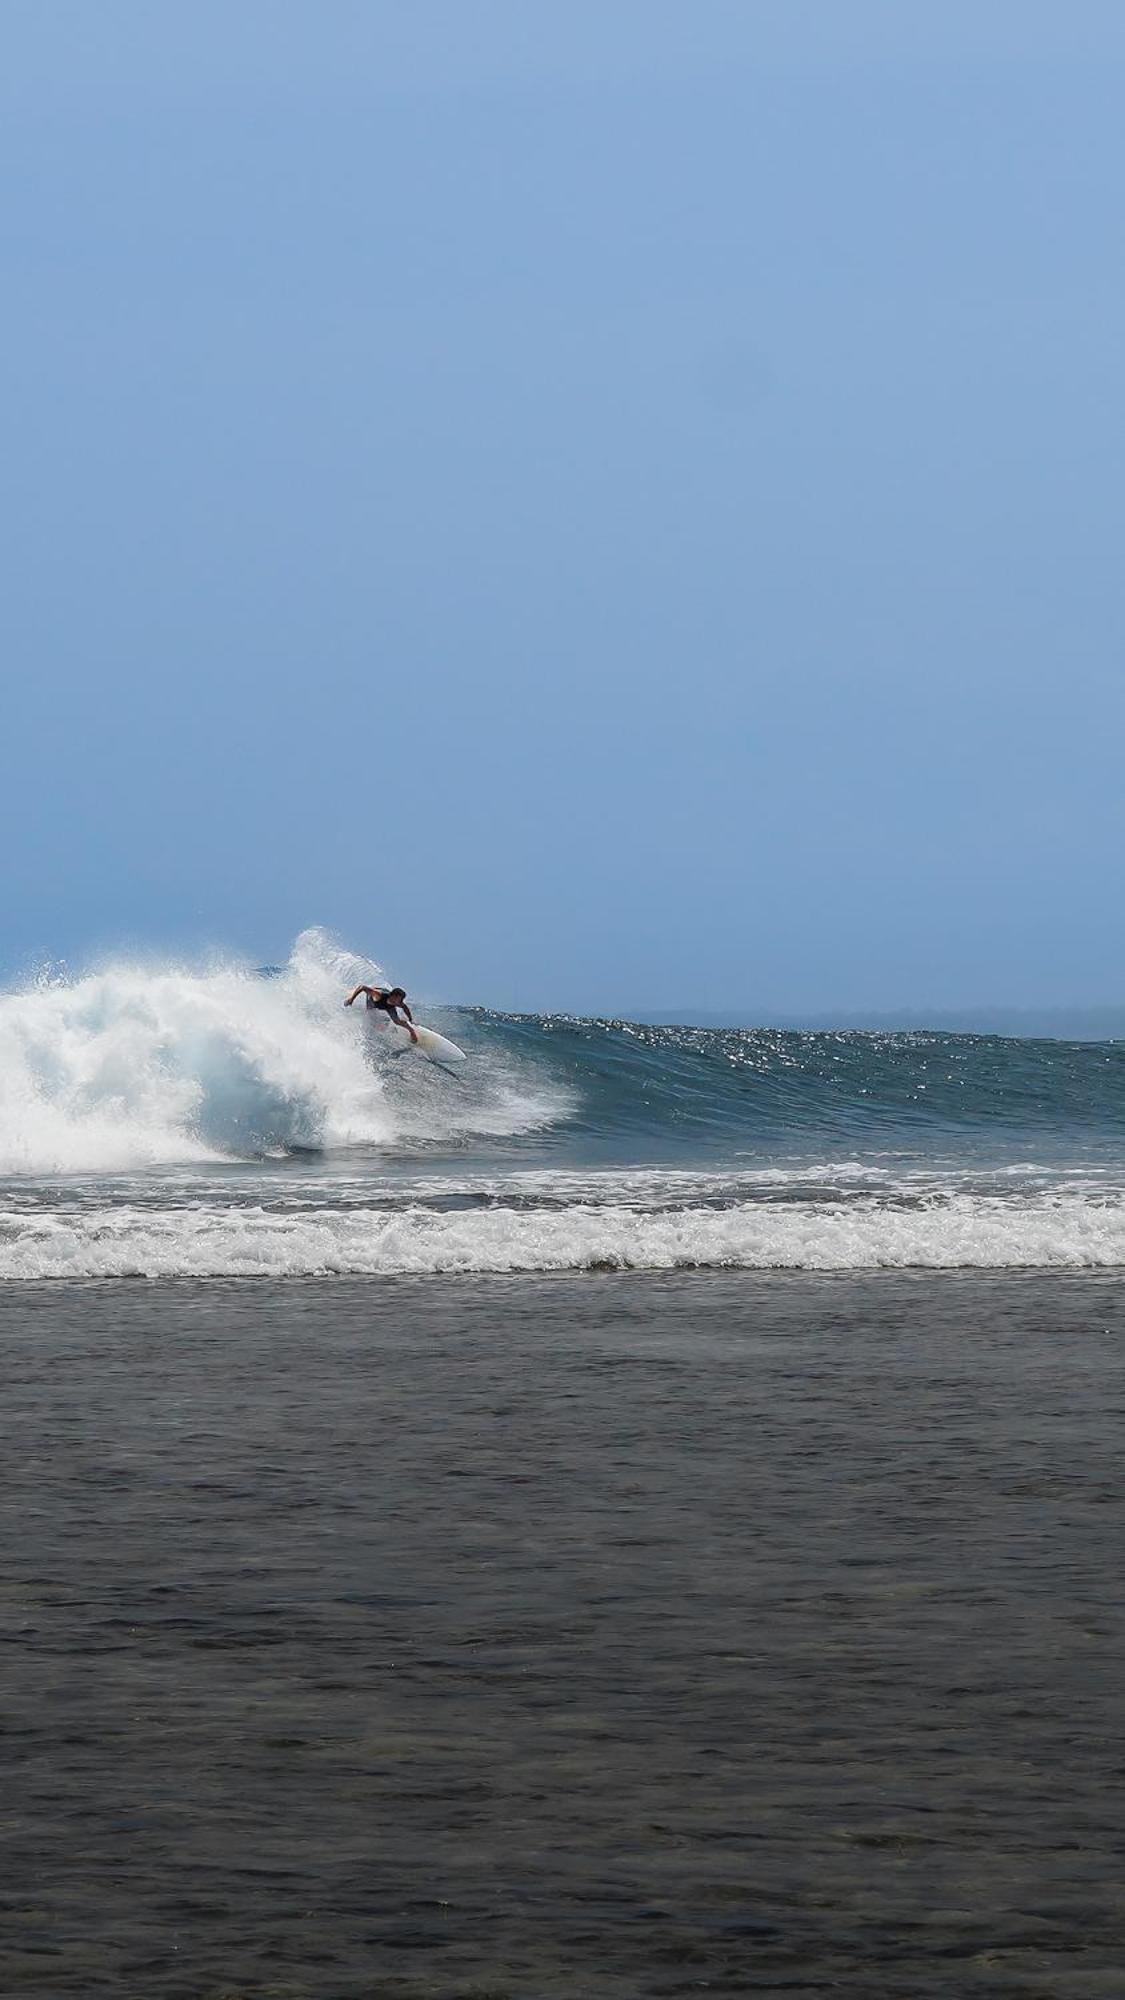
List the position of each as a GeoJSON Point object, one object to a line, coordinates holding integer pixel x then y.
{"type": "Point", "coordinates": [1064, 1232]}
{"type": "Point", "coordinates": [135, 1067]}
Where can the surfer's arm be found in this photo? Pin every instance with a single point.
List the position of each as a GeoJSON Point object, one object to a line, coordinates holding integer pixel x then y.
{"type": "Point", "coordinates": [408, 1024]}
{"type": "Point", "coordinates": [356, 994]}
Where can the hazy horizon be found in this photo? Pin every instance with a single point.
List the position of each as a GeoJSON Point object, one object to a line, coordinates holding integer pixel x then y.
{"type": "Point", "coordinates": [1034, 1023]}
{"type": "Point", "coordinates": [1068, 1021]}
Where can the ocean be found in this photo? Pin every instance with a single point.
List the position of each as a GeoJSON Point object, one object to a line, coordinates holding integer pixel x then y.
{"type": "Point", "coordinates": [166, 1122]}
{"type": "Point", "coordinates": [641, 1517]}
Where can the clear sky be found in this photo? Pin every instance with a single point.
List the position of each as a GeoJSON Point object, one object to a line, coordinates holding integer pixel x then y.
{"type": "Point", "coordinates": [597, 503]}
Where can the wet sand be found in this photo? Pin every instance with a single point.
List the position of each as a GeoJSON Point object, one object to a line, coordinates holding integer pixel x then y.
{"type": "Point", "coordinates": [574, 1636]}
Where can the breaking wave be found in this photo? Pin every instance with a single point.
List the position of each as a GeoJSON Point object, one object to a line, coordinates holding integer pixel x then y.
{"type": "Point", "coordinates": [137, 1066]}
{"type": "Point", "coordinates": [218, 1121]}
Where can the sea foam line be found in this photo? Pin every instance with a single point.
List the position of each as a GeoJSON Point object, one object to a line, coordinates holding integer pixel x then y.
{"type": "Point", "coordinates": [214, 1242]}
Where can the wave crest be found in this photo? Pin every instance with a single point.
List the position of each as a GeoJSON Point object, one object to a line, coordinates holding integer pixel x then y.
{"type": "Point", "coordinates": [134, 1066]}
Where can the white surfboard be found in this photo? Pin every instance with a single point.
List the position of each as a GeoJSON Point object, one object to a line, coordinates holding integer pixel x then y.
{"type": "Point", "coordinates": [436, 1048]}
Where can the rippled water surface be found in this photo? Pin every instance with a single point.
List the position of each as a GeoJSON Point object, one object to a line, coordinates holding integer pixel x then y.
{"type": "Point", "coordinates": [162, 1122]}
{"type": "Point", "coordinates": [604, 1635]}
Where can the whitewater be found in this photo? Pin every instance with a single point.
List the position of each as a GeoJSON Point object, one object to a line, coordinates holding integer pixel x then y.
{"type": "Point", "coordinates": [167, 1120]}
{"type": "Point", "coordinates": [160, 1066]}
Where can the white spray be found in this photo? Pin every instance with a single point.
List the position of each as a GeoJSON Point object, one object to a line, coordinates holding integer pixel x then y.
{"type": "Point", "coordinates": [136, 1066]}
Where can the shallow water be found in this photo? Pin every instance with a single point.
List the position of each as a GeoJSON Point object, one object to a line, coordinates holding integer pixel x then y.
{"type": "Point", "coordinates": [562, 1636]}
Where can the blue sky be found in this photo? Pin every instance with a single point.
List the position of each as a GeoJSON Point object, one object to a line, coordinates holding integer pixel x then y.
{"type": "Point", "coordinates": [599, 505]}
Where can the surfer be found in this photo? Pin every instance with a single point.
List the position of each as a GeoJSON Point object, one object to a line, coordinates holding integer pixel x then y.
{"type": "Point", "coordinates": [389, 1000]}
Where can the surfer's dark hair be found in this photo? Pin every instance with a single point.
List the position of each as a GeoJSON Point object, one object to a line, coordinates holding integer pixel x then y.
{"type": "Point", "coordinates": [395, 990]}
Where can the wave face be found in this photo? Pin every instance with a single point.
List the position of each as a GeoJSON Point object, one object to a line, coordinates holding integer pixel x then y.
{"type": "Point", "coordinates": [746, 1086]}
{"type": "Point", "coordinates": [175, 1121]}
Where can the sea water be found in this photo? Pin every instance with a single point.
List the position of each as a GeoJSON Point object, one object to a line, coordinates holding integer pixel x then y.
{"type": "Point", "coordinates": [644, 1520]}
{"type": "Point", "coordinates": [616, 1635]}
{"type": "Point", "coordinates": [167, 1121]}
